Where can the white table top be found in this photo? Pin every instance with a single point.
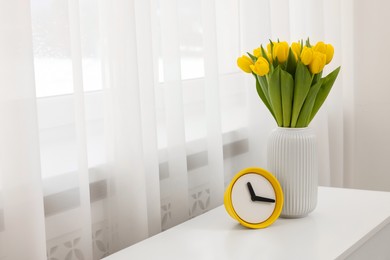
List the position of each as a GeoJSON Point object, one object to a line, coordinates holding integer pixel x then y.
{"type": "Point", "coordinates": [343, 221]}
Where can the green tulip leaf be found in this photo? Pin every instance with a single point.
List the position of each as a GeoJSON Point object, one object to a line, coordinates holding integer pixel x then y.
{"type": "Point", "coordinates": [291, 64]}
{"type": "Point", "coordinates": [323, 93]}
{"type": "Point", "coordinates": [254, 58]}
{"type": "Point", "coordinates": [263, 85]}
{"type": "Point", "coordinates": [263, 96]}
{"type": "Point", "coordinates": [304, 115]}
{"type": "Point", "coordinates": [303, 80]}
{"type": "Point", "coordinates": [316, 78]}
{"type": "Point", "coordinates": [272, 45]}
{"type": "Point", "coordinates": [287, 90]}
{"type": "Point", "coordinates": [264, 54]}
{"type": "Point", "coordinates": [308, 42]}
{"type": "Point", "coordinates": [275, 95]}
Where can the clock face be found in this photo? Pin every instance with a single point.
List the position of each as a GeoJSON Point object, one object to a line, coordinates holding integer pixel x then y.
{"type": "Point", "coordinates": [253, 198]}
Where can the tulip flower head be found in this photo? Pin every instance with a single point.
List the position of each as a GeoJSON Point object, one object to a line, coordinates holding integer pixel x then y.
{"type": "Point", "coordinates": [257, 52]}
{"type": "Point", "coordinates": [326, 49]}
{"type": "Point", "coordinates": [296, 48]}
{"type": "Point", "coordinates": [269, 47]}
{"type": "Point", "coordinates": [318, 62]}
{"type": "Point", "coordinates": [244, 63]}
{"type": "Point", "coordinates": [320, 47]}
{"type": "Point", "coordinates": [280, 51]}
{"type": "Point", "coordinates": [269, 56]}
{"type": "Point", "coordinates": [329, 53]}
{"type": "Point", "coordinates": [306, 55]}
{"type": "Point", "coordinates": [261, 66]}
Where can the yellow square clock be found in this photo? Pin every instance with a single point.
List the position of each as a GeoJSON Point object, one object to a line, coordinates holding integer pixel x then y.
{"type": "Point", "coordinates": [254, 198]}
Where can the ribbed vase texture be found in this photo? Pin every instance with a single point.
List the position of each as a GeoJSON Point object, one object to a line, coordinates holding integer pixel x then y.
{"type": "Point", "coordinates": [292, 158]}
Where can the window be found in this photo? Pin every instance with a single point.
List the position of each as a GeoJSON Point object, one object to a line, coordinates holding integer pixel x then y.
{"type": "Point", "coordinates": [54, 78]}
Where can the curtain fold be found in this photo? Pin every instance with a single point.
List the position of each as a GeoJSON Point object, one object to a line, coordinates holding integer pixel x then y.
{"type": "Point", "coordinates": [121, 119]}
{"type": "Point", "coordinates": [127, 196]}
{"type": "Point", "coordinates": [175, 205]}
{"type": "Point", "coordinates": [22, 235]}
{"type": "Point", "coordinates": [212, 104]}
{"type": "Point", "coordinates": [85, 240]}
{"type": "Point", "coordinates": [146, 77]}
{"type": "Point", "coordinates": [251, 36]}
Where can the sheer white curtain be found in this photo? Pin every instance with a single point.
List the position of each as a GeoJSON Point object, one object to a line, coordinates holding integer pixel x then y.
{"type": "Point", "coordinates": [21, 205]}
{"type": "Point", "coordinates": [120, 119]}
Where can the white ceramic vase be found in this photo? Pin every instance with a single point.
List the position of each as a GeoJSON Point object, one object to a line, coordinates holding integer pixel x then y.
{"type": "Point", "coordinates": [292, 158]}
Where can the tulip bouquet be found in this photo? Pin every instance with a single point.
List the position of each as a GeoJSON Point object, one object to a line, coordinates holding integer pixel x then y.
{"type": "Point", "coordinates": [289, 79]}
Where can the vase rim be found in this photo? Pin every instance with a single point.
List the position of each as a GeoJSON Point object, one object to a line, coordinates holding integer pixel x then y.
{"type": "Point", "coordinates": [294, 128]}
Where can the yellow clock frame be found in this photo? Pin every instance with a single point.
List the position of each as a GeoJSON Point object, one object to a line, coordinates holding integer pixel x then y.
{"type": "Point", "coordinates": [278, 198]}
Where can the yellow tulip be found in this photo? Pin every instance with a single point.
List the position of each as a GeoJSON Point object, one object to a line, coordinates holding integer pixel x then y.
{"type": "Point", "coordinates": [306, 55]}
{"type": "Point", "coordinates": [329, 53]}
{"type": "Point", "coordinates": [326, 49]}
{"type": "Point", "coordinates": [257, 52]}
{"type": "Point", "coordinates": [269, 55]}
{"type": "Point", "coordinates": [320, 47]}
{"type": "Point", "coordinates": [244, 63]}
{"type": "Point", "coordinates": [318, 62]}
{"type": "Point", "coordinates": [296, 48]}
{"type": "Point", "coordinates": [269, 47]}
{"type": "Point", "coordinates": [266, 54]}
{"type": "Point", "coordinates": [295, 55]}
{"type": "Point", "coordinates": [261, 66]}
{"type": "Point", "coordinates": [280, 51]}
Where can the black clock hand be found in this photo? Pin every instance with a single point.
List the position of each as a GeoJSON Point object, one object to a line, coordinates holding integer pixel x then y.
{"type": "Point", "coordinates": [251, 191]}
{"type": "Point", "coordinates": [258, 198]}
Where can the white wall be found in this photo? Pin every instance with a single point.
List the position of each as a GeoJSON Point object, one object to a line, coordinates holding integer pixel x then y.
{"type": "Point", "coordinates": [372, 95]}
